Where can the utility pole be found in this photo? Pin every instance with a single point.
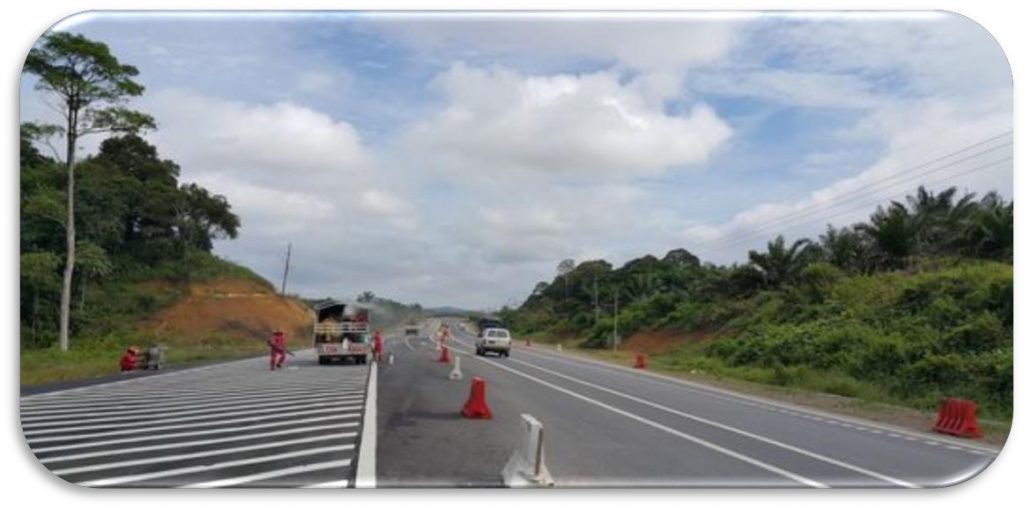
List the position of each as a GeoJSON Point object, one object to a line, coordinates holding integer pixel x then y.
{"type": "Point", "coordinates": [615, 327]}
{"type": "Point", "coordinates": [287, 263]}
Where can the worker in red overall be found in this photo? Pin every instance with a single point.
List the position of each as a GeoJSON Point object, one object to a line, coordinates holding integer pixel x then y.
{"type": "Point", "coordinates": [378, 346]}
{"type": "Point", "coordinates": [277, 350]}
{"type": "Point", "coordinates": [129, 359]}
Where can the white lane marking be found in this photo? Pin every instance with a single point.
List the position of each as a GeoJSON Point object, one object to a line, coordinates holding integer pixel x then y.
{"type": "Point", "coordinates": [115, 403]}
{"type": "Point", "coordinates": [179, 445]}
{"type": "Point", "coordinates": [272, 474]}
{"type": "Point", "coordinates": [776, 443]}
{"type": "Point", "coordinates": [204, 454]}
{"type": "Point", "coordinates": [406, 341]}
{"type": "Point", "coordinates": [929, 442]}
{"type": "Point", "coordinates": [215, 466]}
{"type": "Point", "coordinates": [366, 468]}
{"type": "Point", "coordinates": [331, 484]}
{"type": "Point", "coordinates": [218, 388]}
{"type": "Point", "coordinates": [136, 431]}
{"type": "Point", "coordinates": [145, 416]}
{"type": "Point", "coordinates": [715, 447]}
{"type": "Point", "coordinates": [268, 412]}
{"type": "Point", "coordinates": [739, 397]}
{"type": "Point", "coordinates": [218, 431]}
{"type": "Point", "coordinates": [171, 374]}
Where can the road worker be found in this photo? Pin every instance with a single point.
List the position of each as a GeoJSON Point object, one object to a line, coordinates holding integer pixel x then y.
{"type": "Point", "coordinates": [277, 350]}
{"type": "Point", "coordinates": [129, 359]}
{"type": "Point", "coordinates": [378, 345]}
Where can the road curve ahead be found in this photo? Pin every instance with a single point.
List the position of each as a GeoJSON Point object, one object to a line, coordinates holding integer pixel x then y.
{"type": "Point", "coordinates": [236, 424]}
{"type": "Point", "coordinates": [606, 426]}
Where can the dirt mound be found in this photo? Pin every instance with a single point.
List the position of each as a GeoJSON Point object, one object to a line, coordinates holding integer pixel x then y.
{"type": "Point", "coordinates": [237, 308]}
{"type": "Point", "coordinates": [659, 341]}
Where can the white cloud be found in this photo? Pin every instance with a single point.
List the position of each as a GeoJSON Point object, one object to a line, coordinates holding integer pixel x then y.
{"type": "Point", "coordinates": [496, 121]}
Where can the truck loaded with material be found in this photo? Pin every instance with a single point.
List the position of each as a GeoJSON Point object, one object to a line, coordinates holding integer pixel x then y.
{"type": "Point", "coordinates": [341, 332]}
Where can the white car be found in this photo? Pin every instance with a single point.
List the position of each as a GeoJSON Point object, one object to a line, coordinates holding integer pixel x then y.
{"type": "Point", "coordinates": [494, 340]}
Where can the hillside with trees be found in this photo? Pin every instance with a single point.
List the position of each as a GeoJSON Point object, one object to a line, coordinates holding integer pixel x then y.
{"type": "Point", "coordinates": [910, 306]}
{"type": "Point", "coordinates": [110, 239]}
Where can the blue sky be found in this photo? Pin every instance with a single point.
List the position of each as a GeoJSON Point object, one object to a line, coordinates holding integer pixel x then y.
{"type": "Point", "coordinates": [456, 159]}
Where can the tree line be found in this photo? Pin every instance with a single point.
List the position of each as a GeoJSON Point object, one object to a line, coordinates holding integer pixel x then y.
{"type": "Point", "coordinates": [109, 215]}
{"type": "Point", "coordinates": [898, 236]}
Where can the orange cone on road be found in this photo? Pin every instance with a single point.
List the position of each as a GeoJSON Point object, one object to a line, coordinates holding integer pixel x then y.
{"type": "Point", "coordinates": [444, 355]}
{"type": "Point", "coordinates": [476, 405]}
{"type": "Point", "coordinates": [640, 362]}
{"type": "Point", "coordinates": [528, 343]}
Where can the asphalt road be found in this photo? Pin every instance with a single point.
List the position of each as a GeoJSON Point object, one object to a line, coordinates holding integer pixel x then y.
{"type": "Point", "coordinates": [607, 426]}
{"type": "Point", "coordinates": [235, 424]}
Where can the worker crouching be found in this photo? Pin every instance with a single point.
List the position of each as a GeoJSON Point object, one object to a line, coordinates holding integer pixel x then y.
{"type": "Point", "coordinates": [130, 359]}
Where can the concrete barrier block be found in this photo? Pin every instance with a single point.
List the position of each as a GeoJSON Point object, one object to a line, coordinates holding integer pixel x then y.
{"type": "Point", "coordinates": [526, 468]}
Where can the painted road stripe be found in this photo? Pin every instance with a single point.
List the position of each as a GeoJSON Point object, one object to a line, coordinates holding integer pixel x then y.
{"type": "Point", "coordinates": [268, 412]}
{"type": "Point", "coordinates": [715, 447]}
{"type": "Point", "coordinates": [218, 431]}
{"type": "Point", "coordinates": [179, 394]}
{"type": "Point", "coordinates": [111, 481]}
{"type": "Point", "coordinates": [146, 415]}
{"type": "Point", "coordinates": [332, 484]}
{"type": "Point", "coordinates": [180, 445]}
{"type": "Point", "coordinates": [123, 409]}
{"type": "Point", "coordinates": [788, 447]}
{"type": "Point", "coordinates": [188, 426]}
{"type": "Point", "coordinates": [272, 474]}
{"type": "Point", "coordinates": [366, 468]}
{"type": "Point", "coordinates": [203, 454]}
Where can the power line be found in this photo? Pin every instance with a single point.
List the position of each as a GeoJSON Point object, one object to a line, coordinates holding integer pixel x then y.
{"type": "Point", "coordinates": [870, 203]}
{"type": "Point", "coordinates": [861, 192]}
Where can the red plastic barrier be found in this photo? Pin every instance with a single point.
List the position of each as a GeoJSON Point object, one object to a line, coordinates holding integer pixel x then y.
{"type": "Point", "coordinates": [444, 355]}
{"type": "Point", "coordinates": [476, 405]}
{"type": "Point", "coordinates": [958, 417]}
{"type": "Point", "coordinates": [641, 361]}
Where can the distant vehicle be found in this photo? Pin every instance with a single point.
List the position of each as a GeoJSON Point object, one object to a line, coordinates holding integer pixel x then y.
{"type": "Point", "coordinates": [488, 323]}
{"type": "Point", "coordinates": [341, 332]}
{"type": "Point", "coordinates": [412, 330]}
{"type": "Point", "coordinates": [494, 340]}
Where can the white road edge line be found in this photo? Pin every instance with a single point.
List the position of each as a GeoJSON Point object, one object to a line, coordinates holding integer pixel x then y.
{"type": "Point", "coordinates": [330, 484]}
{"type": "Point", "coordinates": [791, 448]}
{"type": "Point", "coordinates": [672, 431]}
{"type": "Point", "coordinates": [730, 394]}
{"type": "Point", "coordinates": [366, 467]}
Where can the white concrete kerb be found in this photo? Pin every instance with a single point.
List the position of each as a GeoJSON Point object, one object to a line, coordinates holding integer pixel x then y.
{"type": "Point", "coordinates": [526, 468]}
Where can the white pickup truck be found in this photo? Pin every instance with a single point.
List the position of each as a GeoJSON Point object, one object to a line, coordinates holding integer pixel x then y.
{"type": "Point", "coordinates": [341, 332]}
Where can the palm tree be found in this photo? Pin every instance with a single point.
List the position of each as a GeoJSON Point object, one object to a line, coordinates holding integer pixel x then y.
{"type": "Point", "coordinates": [893, 234]}
{"type": "Point", "coordinates": [780, 265]}
{"type": "Point", "coordinates": [845, 248]}
{"type": "Point", "coordinates": [990, 231]}
{"type": "Point", "coordinates": [939, 218]}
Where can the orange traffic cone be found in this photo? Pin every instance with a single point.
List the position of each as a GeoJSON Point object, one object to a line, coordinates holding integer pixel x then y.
{"type": "Point", "coordinates": [476, 405]}
{"type": "Point", "coordinates": [444, 355]}
{"type": "Point", "coordinates": [641, 361]}
{"type": "Point", "coordinates": [528, 343]}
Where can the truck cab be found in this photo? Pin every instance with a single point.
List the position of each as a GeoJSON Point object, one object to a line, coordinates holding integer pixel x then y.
{"type": "Point", "coordinates": [341, 332]}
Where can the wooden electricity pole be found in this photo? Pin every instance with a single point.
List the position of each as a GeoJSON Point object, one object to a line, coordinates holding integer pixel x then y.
{"type": "Point", "coordinates": [287, 262]}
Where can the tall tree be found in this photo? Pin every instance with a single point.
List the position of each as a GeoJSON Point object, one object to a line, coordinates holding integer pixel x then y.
{"type": "Point", "coordinates": [204, 217]}
{"type": "Point", "coordinates": [92, 88]}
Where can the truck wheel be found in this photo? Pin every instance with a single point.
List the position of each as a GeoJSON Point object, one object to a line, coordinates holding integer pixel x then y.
{"type": "Point", "coordinates": [321, 360]}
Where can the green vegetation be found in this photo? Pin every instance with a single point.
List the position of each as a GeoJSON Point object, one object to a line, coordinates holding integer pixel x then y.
{"type": "Point", "coordinates": [107, 240]}
{"type": "Point", "coordinates": [912, 306]}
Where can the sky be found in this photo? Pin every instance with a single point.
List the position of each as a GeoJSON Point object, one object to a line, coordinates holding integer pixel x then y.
{"type": "Point", "coordinates": [456, 159]}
